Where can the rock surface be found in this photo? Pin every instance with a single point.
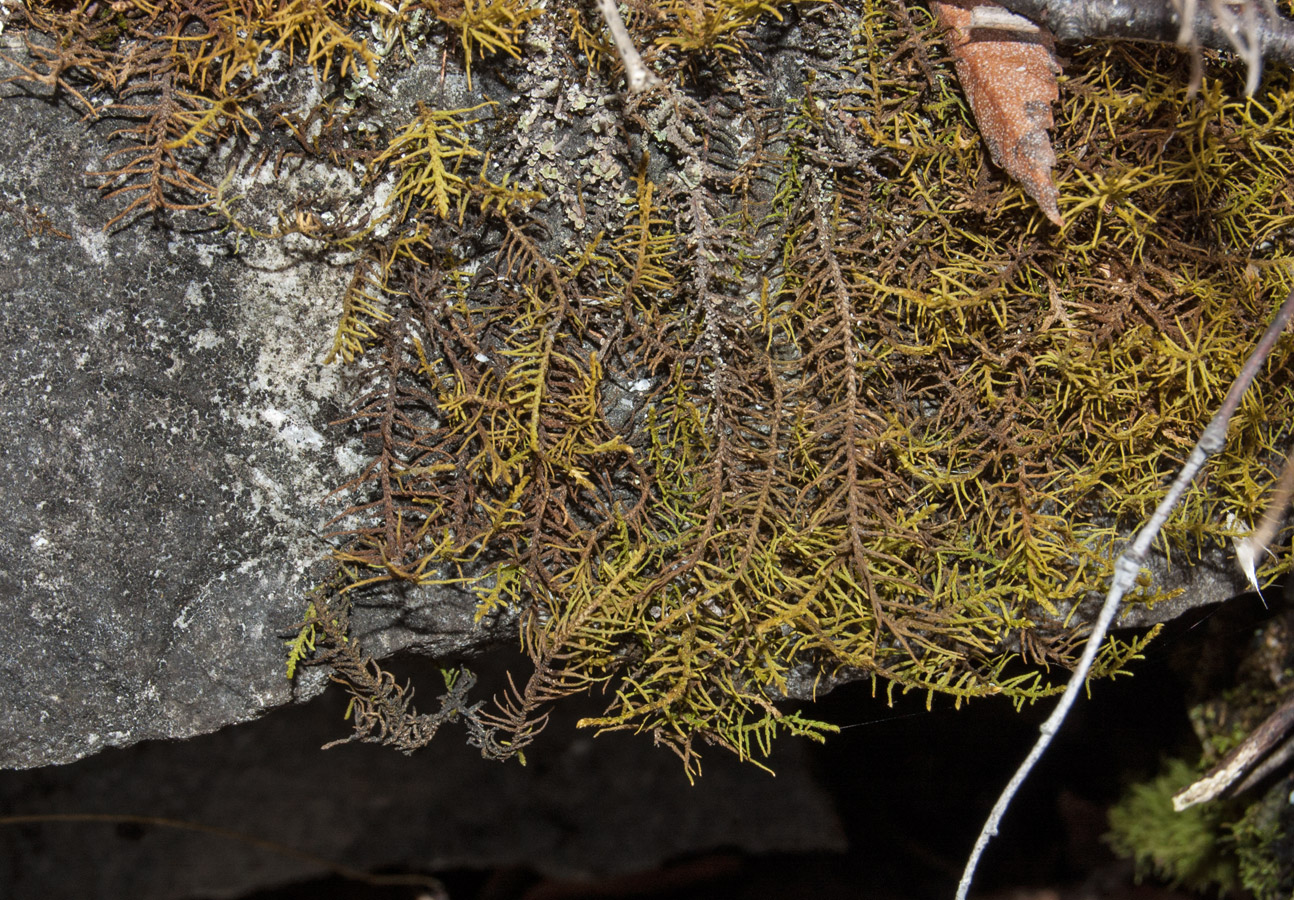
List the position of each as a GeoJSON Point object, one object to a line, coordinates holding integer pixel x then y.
{"type": "Point", "coordinates": [167, 463]}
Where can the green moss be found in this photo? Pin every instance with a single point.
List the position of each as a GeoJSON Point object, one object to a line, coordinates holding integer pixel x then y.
{"type": "Point", "coordinates": [816, 392]}
{"type": "Point", "coordinates": [1238, 840]}
{"type": "Point", "coordinates": [1186, 848]}
{"type": "Point", "coordinates": [1262, 846]}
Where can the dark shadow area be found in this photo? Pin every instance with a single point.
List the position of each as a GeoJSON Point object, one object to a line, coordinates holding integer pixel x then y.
{"type": "Point", "coordinates": [887, 808]}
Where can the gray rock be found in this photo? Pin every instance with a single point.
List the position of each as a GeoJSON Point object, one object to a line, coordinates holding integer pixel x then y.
{"type": "Point", "coordinates": [167, 462]}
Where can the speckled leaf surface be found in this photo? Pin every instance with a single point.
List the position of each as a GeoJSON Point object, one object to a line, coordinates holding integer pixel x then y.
{"type": "Point", "coordinates": [1010, 81]}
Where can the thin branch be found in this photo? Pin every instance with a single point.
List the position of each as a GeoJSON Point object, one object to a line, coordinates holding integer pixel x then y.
{"type": "Point", "coordinates": [640, 77]}
{"type": "Point", "coordinates": [999, 19]}
{"type": "Point", "coordinates": [1254, 29]}
{"type": "Point", "coordinates": [1240, 760]}
{"type": "Point", "coordinates": [1126, 568]}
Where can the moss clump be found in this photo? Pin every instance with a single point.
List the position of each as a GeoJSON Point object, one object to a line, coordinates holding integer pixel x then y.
{"type": "Point", "coordinates": [790, 384]}
{"type": "Point", "coordinates": [1262, 844]}
{"type": "Point", "coordinates": [1186, 848]}
{"type": "Point", "coordinates": [1243, 839]}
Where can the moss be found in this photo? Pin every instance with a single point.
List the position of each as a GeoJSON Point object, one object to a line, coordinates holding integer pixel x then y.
{"type": "Point", "coordinates": [789, 380]}
{"type": "Point", "coordinates": [1262, 846]}
{"type": "Point", "coordinates": [485, 27]}
{"type": "Point", "coordinates": [1242, 839]}
{"type": "Point", "coordinates": [1186, 848]}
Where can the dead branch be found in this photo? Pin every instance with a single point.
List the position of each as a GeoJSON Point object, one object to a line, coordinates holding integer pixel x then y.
{"type": "Point", "coordinates": [1253, 29]}
{"type": "Point", "coordinates": [1240, 760]}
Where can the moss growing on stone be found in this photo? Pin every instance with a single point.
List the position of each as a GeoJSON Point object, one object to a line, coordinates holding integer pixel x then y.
{"type": "Point", "coordinates": [779, 381]}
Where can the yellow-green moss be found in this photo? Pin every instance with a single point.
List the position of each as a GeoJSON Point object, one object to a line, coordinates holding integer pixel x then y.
{"type": "Point", "coordinates": [823, 393]}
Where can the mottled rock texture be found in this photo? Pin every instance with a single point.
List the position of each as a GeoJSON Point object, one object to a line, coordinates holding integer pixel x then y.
{"type": "Point", "coordinates": [167, 462]}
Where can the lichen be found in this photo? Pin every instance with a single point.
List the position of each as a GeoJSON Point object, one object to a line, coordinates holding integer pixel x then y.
{"type": "Point", "coordinates": [768, 368]}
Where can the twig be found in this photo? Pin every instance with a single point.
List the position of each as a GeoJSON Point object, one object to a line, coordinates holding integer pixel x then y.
{"type": "Point", "coordinates": [1275, 760]}
{"type": "Point", "coordinates": [999, 19]}
{"type": "Point", "coordinates": [1244, 37]}
{"type": "Point", "coordinates": [640, 77]}
{"type": "Point", "coordinates": [1258, 32]}
{"type": "Point", "coordinates": [1239, 760]}
{"type": "Point", "coordinates": [1126, 568]}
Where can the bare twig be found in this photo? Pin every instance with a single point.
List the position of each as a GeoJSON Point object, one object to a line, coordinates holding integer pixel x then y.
{"type": "Point", "coordinates": [640, 77]}
{"type": "Point", "coordinates": [1240, 760]}
{"type": "Point", "coordinates": [999, 19]}
{"type": "Point", "coordinates": [1274, 760]}
{"type": "Point", "coordinates": [1126, 568]}
{"type": "Point", "coordinates": [1254, 29]}
{"type": "Point", "coordinates": [1240, 31]}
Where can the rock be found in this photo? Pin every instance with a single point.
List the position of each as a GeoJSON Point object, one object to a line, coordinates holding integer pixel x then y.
{"type": "Point", "coordinates": [168, 462]}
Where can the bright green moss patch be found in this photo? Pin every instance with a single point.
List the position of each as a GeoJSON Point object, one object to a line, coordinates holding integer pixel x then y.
{"type": "Point", "coordinates": [782, 381]}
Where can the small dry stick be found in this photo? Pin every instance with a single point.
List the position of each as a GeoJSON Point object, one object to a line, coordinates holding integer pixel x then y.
{"type": "Point", "coordinates": [1126, 568]}
{"type": "Point", "coordinates": [999, 19]}
{"type": "Point", "coordinates": [1254, 29]}
{"type": "Point", "coordinates": [640, 77]}
{"type": "Point", "coordinates": [1240, 760]}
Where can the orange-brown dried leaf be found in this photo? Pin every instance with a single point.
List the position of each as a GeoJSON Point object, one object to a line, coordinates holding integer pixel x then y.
{"type": "Point", "coordinates": [1010, 80]}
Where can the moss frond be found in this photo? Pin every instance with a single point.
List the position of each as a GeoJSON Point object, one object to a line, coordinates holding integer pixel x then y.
{"type": "Point", "coordinates": [363, 309]}
{"type": "Point", "coordinates": [428, 154]}
{"type": "Point", "coordinates": [319, 30]}
{"type": "Point", "coordinates": [485, 27]}
{"type": "Point", "coordinates": [1185, 848]}
{"type": "Point", "coordinates": [694, 26]}
{"type": "Point", "coordinates": [300, 647]}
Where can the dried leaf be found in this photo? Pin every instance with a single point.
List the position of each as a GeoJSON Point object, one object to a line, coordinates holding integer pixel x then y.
{"type": "Point", "coordinates": [1009, 76]}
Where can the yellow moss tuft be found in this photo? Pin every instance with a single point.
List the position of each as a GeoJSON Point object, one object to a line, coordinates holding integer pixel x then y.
{"type": "Point", "coordinates": [485, 27]}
